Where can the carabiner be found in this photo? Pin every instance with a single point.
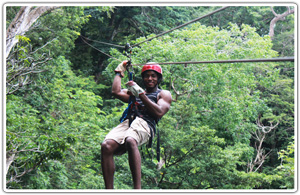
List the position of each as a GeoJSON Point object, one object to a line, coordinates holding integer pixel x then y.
{"type": "Point", "coordinates": [130, 72]}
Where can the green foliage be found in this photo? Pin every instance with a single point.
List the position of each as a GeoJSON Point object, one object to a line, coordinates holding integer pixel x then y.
{"type": "Point", "coordinates": [284, 37]}
{"type": "Point", "coordinates": [121, 25]}
{"type": "Point", "coordinates": [69, 122]}
{"type": "Point", "coordinates": [52, 175]}
{"type": "Point", "coordinates": [60, 31]}
{"type": "Point", "coordinates": [286, 170]}
{"type": "Point", "coordinates": [11, 12]}
{"type": "Point", "coordinates": [50, 36]}
{"type": "Point", "coordinates": [56, 124]}
{"type": "Point", "coordinates": [227, 92]}
{"type": "Point", "coordinates": [224, 99]}
{"type": "Point", "coordinates": [260, 18]}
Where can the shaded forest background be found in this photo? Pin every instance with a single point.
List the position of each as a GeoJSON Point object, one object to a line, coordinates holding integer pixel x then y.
{"type": "Point", "coordinates": [231, 126]}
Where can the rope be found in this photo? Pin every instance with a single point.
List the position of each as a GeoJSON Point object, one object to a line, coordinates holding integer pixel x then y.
{"type": "Point", "coordinates": [291, 59]}
{"type": "Point", "coordinates": [181, 26]}
{"type": "Point", "coordinates": [100, 50]}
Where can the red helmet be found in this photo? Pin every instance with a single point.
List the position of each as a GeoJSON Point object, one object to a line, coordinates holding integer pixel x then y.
{"type": "Point", "coordinates": [152, 66]}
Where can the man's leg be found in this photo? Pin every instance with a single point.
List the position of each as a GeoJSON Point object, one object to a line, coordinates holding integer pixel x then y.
{"type": "Point", "coordinates": [134, 161]}
{"type": "Point", "coordinates": [108, 148]}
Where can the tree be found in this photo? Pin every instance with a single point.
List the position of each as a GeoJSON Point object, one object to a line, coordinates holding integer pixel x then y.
{"type": "Point", "coordinates": [41, 43]}
{"type": "Point", "coordinates": [259, 137]}
{"type": "Point", "coordinates": [22, 22]}
{"type": "Point", "coordinates": [263, 19]}
{"type": "Point", "coordinates": [57, 120]}
{"type": "Point", "coordinates": [32, 54]}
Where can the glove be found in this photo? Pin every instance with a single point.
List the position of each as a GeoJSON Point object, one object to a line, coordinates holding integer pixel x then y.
{"type": "Point", "coordinates": [121, 68]}
{"type": "Point", "coordinates": [134, 88]}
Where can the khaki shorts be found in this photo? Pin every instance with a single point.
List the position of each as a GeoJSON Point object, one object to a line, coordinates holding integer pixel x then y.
{"type": "Point", "coordinates": [139, 130]}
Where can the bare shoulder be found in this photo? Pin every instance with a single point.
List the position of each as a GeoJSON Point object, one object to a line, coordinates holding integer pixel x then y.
{"type": "Point", "coordinates": [165, 95]}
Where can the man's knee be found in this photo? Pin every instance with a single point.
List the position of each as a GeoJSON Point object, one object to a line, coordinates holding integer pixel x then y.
{"type": "Point", "coordinates": [131, 143]}
{"type": "Point", "coordinates": [107, 147]}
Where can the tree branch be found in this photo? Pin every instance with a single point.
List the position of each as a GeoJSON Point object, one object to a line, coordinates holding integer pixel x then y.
{"type": "Point", "coordinates": [259, 136]}
{"type": "Point", "coordinates": [276, 18]}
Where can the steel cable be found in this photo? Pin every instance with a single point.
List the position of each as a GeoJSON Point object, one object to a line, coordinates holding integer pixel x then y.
{"type": "Point", "coordinates": [103, 42]}
{"type": "Point", "coordinates": [100, 50]}
{"type": "Point", "coordinates": [180, 26]}
{"type": "Point", "coordinates": [188, 62]}
{"type": "Point", "coordinates": [291, 59]}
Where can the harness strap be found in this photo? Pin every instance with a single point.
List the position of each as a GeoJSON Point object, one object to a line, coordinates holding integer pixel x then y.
{"type": "Point", "coordinates": [156, 130]}
{"type": "Point", "coordinates": [158, 146]}
{"type": "Point", "coordinates": [128, 110]}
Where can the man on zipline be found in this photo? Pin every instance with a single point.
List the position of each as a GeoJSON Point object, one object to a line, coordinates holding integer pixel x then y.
{"type": "Point", "coordinates": [149, 107]}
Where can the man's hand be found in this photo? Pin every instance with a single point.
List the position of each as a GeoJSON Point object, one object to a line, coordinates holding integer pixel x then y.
{"type": "Point", "coordinates": [121, 68]}
{"type": "Point", "coordinates": [134, 88]}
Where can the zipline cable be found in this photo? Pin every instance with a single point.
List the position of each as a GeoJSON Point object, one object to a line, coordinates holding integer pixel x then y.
{"type": "Point", "coordinates": [291, 59]}
{"type": "Point", "coordinates": [100, 50]}
{"type": "Point", "coordinates": [188, 62]}
{"type": "Point", "coordinates": [180, 26]}
{"type": "Point", "coordinates": [103, 42]}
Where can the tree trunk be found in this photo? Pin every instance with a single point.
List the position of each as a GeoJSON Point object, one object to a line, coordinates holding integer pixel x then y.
{"type": "Point", "coordinates": [26, 16]}
{"type": "Point", "coordinates": [9, 160]}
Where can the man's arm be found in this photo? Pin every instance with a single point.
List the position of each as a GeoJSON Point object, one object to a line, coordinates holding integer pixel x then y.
{"type": "Point", "coordinates": [116, 90]}
{"type": "Point", "coordinates": [163, 103]}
